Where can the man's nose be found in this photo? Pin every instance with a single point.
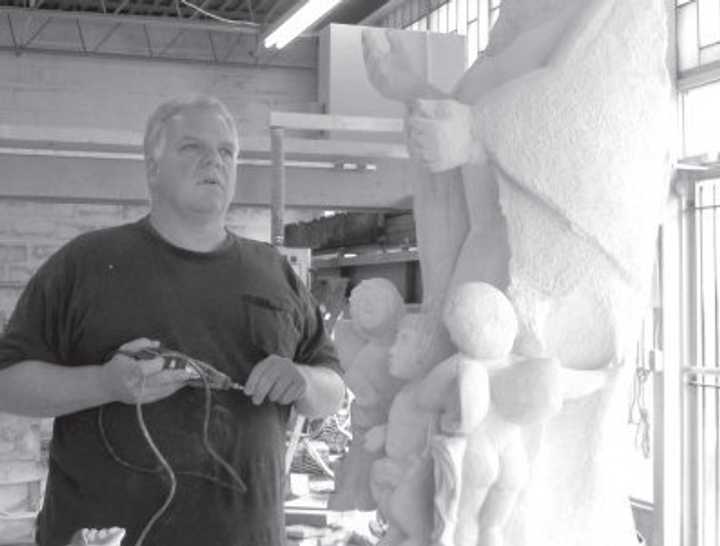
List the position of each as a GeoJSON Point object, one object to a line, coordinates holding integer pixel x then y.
{"type": "Point", "coordinates": [212, 156]}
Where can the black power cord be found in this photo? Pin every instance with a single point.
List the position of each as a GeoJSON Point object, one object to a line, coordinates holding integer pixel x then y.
{"type": "Point", "coordinates": [239, 485]}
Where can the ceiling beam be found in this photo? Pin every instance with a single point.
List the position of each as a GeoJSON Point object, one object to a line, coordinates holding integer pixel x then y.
{"type": "Point", "coordinates": [103, 165]}
{"type": "Point", "coordinates": [82, 140]}
{"type": "Point", "coordinates": [72, 179]}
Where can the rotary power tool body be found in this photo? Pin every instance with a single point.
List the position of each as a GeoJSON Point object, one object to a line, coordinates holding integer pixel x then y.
{"type": "Point", "coordinates": [201, 373]}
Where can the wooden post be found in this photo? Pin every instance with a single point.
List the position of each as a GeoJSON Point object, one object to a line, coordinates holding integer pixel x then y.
{"type": "Point", "coordinates": [277, 238]}
{"type": "Point", "coordinates": [277, 192]}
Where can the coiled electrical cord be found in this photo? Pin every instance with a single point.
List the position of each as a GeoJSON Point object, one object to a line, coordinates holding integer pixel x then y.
{"type": "Point", "coordinates": [239, 485]}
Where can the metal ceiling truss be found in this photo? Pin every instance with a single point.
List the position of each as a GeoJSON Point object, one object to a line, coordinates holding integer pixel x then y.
{"type": "Point", "coordinates": [236, 10]}
{"type": "Point", "coordinates": [167, 30]}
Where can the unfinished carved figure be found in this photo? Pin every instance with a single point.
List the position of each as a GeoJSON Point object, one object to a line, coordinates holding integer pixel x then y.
{"type": "Point", "coordinates": [547, 167]}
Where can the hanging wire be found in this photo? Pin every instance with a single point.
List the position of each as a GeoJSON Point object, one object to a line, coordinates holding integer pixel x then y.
{"type": "Point", "coordinates": [638, 414]}
{"type": "Point", "coordinates": [212, 15]}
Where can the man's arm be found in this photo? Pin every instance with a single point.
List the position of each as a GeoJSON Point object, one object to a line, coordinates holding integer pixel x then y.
{"type": "Point", "coordinates": [41, 389]}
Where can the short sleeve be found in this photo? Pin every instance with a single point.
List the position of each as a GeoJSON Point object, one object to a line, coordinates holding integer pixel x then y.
{"type": "Point", "coordinates": [315, 347]}
{"type": "Point", "coordinates": [39, 327]}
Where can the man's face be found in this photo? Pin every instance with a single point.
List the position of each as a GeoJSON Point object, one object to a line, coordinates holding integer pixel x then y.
{"type": "Point", "coordinates": [195, 172]}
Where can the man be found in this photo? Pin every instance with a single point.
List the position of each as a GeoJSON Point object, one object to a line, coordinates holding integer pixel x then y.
{"type": "Point", "coordinates": [175, 279]}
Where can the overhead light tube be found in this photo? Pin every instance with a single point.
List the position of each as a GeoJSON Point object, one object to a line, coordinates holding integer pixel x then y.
{"type": "Point", "coordinates": [301, 19]}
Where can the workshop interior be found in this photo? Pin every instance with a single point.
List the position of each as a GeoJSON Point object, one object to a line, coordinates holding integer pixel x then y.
{"type": "Point", "coordinates": [506, 214]}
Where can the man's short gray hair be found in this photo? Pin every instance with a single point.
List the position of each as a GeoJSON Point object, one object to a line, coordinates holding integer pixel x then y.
{"type": "Point", "coordinates": [154, 141]}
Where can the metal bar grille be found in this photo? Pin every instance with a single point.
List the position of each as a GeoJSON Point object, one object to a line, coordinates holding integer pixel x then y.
{"type": "Point", "coordinates": [703, 379]}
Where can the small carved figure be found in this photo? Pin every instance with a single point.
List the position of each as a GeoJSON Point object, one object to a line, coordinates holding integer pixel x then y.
{"type": "Point", "coordinates": [402, 480]}
{"type": "Point", "coordinates": [485, 396]}
{"type": "Point", "coordinates": [376, 308]}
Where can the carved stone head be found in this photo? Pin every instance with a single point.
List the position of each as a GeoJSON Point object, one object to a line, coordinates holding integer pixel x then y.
{"type": "Point", "coordinates": [481, 320]}
{"type": "Point", "coordinates": [376, 307]}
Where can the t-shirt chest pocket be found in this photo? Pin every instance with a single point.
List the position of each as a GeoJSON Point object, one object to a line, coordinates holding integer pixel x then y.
{"type": "Point", "coordinates": [271, 325]}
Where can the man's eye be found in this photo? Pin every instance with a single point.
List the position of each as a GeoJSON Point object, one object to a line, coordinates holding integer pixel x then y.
{"type": "Point", "coordinates": [189, 147]}
{"type": "Point", "coordinates": [227, 153]}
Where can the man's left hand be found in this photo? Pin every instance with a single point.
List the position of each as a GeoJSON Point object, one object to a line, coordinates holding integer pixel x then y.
{"type": "Point", "coordinates": [277, 379]}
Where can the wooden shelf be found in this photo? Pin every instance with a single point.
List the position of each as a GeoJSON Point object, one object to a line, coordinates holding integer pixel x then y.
{"type": "Point", "coordinates": [349, 259]}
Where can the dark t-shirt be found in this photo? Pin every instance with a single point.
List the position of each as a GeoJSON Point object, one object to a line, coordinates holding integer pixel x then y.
{"type": "Point", "coordinates": [230, 308]}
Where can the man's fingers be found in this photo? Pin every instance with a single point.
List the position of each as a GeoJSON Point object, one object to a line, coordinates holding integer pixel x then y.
{"type": "Point", "coordinates": [255, 375]}
{"type": "Point", "coordinates": [279, 389]}
{"type": "Point", "coordinates": [267, 368]}
{"type": "Point", "coordinates": [261, 380]}
{"type": "Point", "coordinates": [150, 382]}
{"type": "Point", "coordinates": [260, 392]}
{"type": "Point", "coordinates": [276, 379]}
{"type": "Point", "coordinates": [292, 394]}
{"type": "Point", "coordinates": [149, 367]}
{"type": "Point", "coordinates": [167, 377]}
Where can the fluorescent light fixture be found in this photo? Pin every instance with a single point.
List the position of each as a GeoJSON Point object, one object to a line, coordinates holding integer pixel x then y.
{"type": "Point", "coordinates": [298, 21]}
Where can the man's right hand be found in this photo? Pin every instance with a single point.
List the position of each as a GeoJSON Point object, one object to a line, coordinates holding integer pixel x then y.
{"type": "Point", "coordinates": [131, 380]}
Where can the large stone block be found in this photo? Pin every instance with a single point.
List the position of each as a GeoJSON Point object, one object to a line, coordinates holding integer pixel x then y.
{"type": "Point", "coordinates": [19, 438]}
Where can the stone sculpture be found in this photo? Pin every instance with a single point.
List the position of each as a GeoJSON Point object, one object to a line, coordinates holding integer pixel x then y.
{"type": "Point", "coordinates": [548, 167]}
{"type": "Point", "coordinates": [376, 308]}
